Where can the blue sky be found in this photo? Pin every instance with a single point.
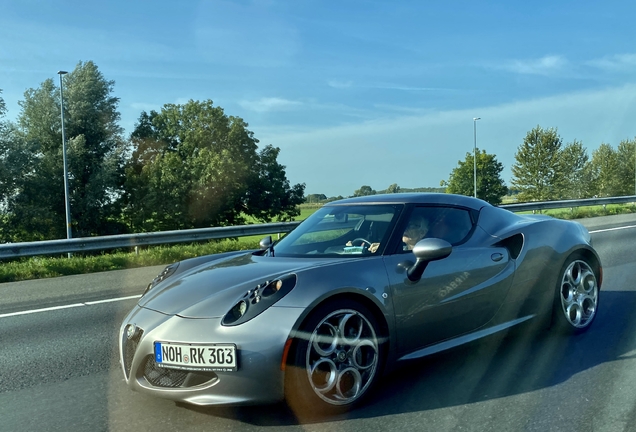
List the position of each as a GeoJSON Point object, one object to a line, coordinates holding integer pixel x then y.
{"type": "Point", "coordinates": [353, 92]}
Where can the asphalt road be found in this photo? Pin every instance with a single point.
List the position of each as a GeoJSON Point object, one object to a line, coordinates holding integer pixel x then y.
{"type": "Point", "coordinates": [59, 368]}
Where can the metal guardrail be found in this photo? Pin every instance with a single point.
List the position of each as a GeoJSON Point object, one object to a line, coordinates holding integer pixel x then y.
{"type": "Point", "coordinates": [546, 205]}
{"type": "Point", "coordinates": [84, 244]}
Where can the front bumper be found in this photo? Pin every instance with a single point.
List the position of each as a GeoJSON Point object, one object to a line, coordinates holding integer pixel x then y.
{"type": "Point", "coordinates": [260, 343]}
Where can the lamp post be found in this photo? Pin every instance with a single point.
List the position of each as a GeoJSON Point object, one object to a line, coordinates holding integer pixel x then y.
{"type": "Point", "coordinates": [67, 203]}
{"type": "Point", "coordinates": [475, 155]}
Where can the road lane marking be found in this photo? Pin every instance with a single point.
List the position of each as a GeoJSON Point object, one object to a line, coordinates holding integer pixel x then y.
{"type": "Point", "coordinates": [74, 305]}
{"type": "Point", "coordinates": [90, 303]}
{"type": "Point", "coordinates": [613, 229]}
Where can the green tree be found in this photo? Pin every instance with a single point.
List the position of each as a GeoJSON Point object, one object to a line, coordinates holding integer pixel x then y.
{"type": "Point", "coordinates": [269, 193]}
{"type": "Point", "coordinates": [626, 155]}
{"type": "Point", "coordinates": [602, 172]}
{"type": "Point", "coordinates": [11, 167]}
{"type": "Point", "coordinates": [35, 205]}
{"type": "Point", "coordinates": [194, 166]}
{"type": "Point", "coordinates": [538, 172]}
{"type": "Point", "coordinates": [364, 191]}
{"type": "Point", "coordinates": [573, 160]}
{"type": "Point", "coordinates": [490, 185]}
{"type": "Point", "coordinates": [394, 188]}
{"type": "Point", "coordinates": [315, 198]}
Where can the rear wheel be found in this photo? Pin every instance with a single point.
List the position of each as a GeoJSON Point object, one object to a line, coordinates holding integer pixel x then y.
{"type": "Point", "coordinates": [577, 296]}
{"type": "Point", "coordinates": [335, 361]}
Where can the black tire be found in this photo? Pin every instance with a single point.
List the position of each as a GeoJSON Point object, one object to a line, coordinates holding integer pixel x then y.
{"type": "Point", "coordinates": [576, 296]}
{"type": "Point", "coordinates": [335, 361]}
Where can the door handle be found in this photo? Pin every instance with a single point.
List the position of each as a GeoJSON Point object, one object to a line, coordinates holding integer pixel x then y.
{"type": "Point", "coordinates": [496, 257]}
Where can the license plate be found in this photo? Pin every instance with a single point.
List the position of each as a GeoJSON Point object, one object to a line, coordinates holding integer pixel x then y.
{"type": "Point", "coordinates": [196, 357]}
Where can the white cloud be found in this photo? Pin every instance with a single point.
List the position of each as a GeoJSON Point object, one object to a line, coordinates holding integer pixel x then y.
{"type": "Point", "coordinates": [382, 86]}
{"type": "Point", "coordinates": [340, 84]}
{"type": "Point", "coordinates": [269, 104]}
{"type": "Point", "coordinates": [244, 33]}
{"type": "Point", "coordinates": [72, 43]}
{"type": "Point", "coordinates": [143, 106]}
{"type": "Point", "coordinates": [389, 86]}
{"type": "Point", "coordinates": [543, 66]}
{"type": "Point", "coordinates": [422, 149]}
{"type": "Point", "coordinates": [615, 63]}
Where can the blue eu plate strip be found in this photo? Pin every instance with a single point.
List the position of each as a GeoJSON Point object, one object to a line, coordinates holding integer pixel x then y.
{"type": "Point", "coordinates": [158, 357]}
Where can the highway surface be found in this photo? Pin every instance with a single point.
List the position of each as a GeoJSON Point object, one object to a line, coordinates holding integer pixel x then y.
{"type": "Point", "coordinates": [59, 367]}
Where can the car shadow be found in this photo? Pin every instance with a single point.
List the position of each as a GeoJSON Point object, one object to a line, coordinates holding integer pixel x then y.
{"type": "Point", "coordinates": [523, 361]}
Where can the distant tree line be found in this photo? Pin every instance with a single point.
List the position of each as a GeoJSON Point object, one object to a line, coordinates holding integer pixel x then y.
{"type": "Point", "coordinates": [186, 166]}
{"type": "Point", "coordinates": [546, 169]}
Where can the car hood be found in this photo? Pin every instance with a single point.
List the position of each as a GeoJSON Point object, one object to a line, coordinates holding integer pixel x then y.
{"type": "Point", "coordinates": [210, 290]}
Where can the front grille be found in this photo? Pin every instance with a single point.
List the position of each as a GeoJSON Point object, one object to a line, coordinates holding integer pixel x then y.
{"type": "Point", "coordinates": [130, 347]}
{"type": "Point", "coordinates": [173, 378]}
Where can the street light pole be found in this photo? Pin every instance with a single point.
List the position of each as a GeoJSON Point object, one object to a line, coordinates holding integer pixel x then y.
{"type": "Point", "coordinates": [475, 155]}
{"type": "Point", "coordinates": [67, 203]}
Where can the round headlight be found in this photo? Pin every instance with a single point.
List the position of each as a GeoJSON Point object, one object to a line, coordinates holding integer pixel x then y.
{"type": "Point", "coordinates": [131, 330]}
{"type": "Point", "coordinates": [239, 309]}
{"type": "Point", "coordinates": [272, 288]}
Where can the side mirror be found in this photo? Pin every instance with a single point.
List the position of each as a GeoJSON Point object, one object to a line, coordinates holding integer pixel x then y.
{"type": "Point", "coordinates": [265, 243]}
{"type": "Point", "coordinates": [427, 250]}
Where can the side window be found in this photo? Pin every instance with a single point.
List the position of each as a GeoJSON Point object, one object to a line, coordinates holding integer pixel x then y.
{"type": "Point", "coordinates": [417, 227]}
{"type": "Point", "coordinates": [451, 224]}
{"type": "Point", "coordinates": [448, 223]}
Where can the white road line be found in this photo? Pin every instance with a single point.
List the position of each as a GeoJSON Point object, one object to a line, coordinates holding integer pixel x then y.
{"type": "Point", "coordinates": [613, 229]}
{"type": "Point", "coordinates": [74, 305]}
{"type": "Point", "coordinates": [111, 300]}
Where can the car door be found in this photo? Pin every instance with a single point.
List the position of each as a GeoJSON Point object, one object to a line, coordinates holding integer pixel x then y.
{"type": "Point", "coordinates": [455, 295]}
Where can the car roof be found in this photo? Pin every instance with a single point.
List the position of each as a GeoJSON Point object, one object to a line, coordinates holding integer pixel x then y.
{"type": "Point", "coordinates": [415, 198]}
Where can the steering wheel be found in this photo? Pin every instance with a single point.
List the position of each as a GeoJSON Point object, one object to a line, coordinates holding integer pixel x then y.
{"type": "Point", "coordinates": [362, 240]}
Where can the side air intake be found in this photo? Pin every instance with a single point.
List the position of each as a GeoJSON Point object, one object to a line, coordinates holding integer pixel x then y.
{"type": "Point", "coordinates": [514, 244]}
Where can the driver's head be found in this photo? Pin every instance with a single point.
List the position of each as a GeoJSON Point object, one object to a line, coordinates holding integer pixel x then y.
{"type": "Point", "coordinates": [415, 231]}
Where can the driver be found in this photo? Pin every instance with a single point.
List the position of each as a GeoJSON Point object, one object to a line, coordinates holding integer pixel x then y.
{"type": "Point", "coordinates": [415, 231]}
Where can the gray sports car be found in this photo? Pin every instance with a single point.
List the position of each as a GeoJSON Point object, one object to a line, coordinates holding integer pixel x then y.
{"type": "Point", "coordinates": [359, 287]}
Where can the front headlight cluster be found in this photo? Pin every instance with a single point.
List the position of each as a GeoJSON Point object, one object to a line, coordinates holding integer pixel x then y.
{"type": "Point", "coordinates": [165, 274]}
{"type": "Point", "coordinates": [258, 299]}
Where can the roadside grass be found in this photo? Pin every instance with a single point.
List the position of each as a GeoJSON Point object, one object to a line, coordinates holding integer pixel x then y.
{"type": "Point", "coordinates": [46, 267]}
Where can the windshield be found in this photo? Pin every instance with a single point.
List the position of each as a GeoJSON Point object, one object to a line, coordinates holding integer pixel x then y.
{"type": "Point", "coordinates": [352, 230]}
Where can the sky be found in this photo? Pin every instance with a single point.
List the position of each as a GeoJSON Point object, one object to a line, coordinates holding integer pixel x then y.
{"type": "Point", "coordinates": [354, 92]}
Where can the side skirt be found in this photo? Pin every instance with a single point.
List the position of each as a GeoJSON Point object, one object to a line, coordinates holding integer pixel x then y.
{"type": "Point", "coordinates": [452, 343]}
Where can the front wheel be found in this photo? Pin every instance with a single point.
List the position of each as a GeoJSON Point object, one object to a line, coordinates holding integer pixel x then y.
{"type": "Point", "coordinates": [335, 360]}
{"type": "Point", "coordinates": [576, 297]}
